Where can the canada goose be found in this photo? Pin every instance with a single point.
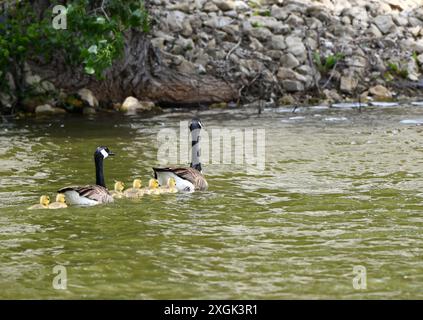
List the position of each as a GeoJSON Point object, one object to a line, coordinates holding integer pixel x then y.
{"type": "Point", "coordinates": [187, 179]}
{"type": "Point", "coordinates": [170, 187]}
{"type": "Point", "coordinates": [117, 191]}
{"type": "Point", "coordinates": [60, 202]}
{"type": "Point", "coordinates": [44, 202]}
{"type": "Point", "coordinates": [135, 191]}
{"type": "Point", "coordinates": [91, 195]}
{"type": "Point", "coordinates": [153, 187]}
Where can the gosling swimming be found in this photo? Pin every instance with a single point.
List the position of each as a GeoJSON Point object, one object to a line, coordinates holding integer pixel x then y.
{"type": "Point", "coordinates": [44, 202]}
{"type": "Point", "coordinates": [118, 190]}
{"type": "Point", "coordinates": [170, 187]}
{"type": "Point", "coordinates": [135, 191]}
{"type": "Point", "coordinates": [60, 202]}
{"type": "Point", "coordinates": [153, 187]}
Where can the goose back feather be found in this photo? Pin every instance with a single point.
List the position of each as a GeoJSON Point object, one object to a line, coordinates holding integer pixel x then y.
{"type": "Point", "coordinates": [191, 175]}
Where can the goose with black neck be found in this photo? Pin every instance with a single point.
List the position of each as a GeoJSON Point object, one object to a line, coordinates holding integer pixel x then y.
{"type": "Point", "coordinates": [187, 179]}
{"type": "Point", "coordinates": [91, 195]}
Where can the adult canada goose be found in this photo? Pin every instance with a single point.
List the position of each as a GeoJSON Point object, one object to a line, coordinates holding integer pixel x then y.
{"type": "Point", "coordinates": [135, 191]}
{"type": "Point", "coordinates": [187, 179]}
{"type": "Point", "coordinates": [91, 195]}
{"type": "Point", "coordinates": [117, 191]}
{"type": "Point", "coordinates": [44, 202]}
{"type": "Point", "coordinates": [60, 202]}
{"type": "Point", "coordinates": [170, 187]}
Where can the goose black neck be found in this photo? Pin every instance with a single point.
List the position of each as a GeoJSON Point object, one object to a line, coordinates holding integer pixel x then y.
{"type": "Point", "coordinates": [99, 175]}
{"type": "Point", "coordinates": [195, 150]}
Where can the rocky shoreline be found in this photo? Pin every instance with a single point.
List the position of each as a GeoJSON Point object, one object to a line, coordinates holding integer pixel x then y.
{"type": "Point", "coordinates": [278, 52]}
{"type": "Point", "coordinates": [290, 51]}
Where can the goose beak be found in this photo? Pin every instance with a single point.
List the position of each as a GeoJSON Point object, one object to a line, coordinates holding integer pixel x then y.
{"type": "Point", "coordinates": [111, 153]}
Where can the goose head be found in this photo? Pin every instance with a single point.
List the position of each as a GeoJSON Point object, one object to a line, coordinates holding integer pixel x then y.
{"type": "Point", "coordinates": [137, 184]}
{"type": "Point", "coordinates": [102, 153]}
{"type": "Point", "coordinates": [195, 124]}
{"type": "Point", "coordinates": [119, 186]}
{"type": "Point", "coordinates": [60, 198]}
{"type": "Point", "coordinates": [45, 200]}
{"type": "Point", "coordinates": [153, 184]}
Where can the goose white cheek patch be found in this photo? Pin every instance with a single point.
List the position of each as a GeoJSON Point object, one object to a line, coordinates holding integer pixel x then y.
{"type": "Point", "coordinates": [104, 153]}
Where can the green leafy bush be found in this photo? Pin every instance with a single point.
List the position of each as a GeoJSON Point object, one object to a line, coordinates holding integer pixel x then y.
{"type": "Point", "coordinates": [394, 70]}
{"type": "Point", "coordinates": [94, 36]}
{"type": "Point", "coordinates": [326, 64]}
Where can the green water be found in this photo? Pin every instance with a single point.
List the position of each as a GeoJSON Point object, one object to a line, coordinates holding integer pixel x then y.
{"type": "Point", "coordinates": [340, 189]}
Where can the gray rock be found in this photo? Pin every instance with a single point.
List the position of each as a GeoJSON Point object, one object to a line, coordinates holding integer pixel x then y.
{"type": "Point", "coordinates": [187, 29]}
{"type": "Point", "coordinates": [295, 21]}
{"type": "Point", "coordinates": [87, 96]}
{"type": "Point", "coordinates": [48, 109]}
{"type": "Point", "coordinates": [255, 45]}
{"type": "Point", "coordinates": [384, 23]}
{"type": "Point", "coordinates": [292, 85]}
{"type": "Point", "coordinates": [289, 74]}
{"type": "Point", "coordinates": [313, 23]}
{"type": "Point", "coordinates": [199, 4]}
{"type": "Point", "coordinates": [374, 31]}
{"type": "Point", "coordinates": [279, 13]}
{"type": "Point", "coordinates": [268, 22]}
{"type": "Point", "coordinates": [380, 92]}
{"type": "Point", "coordinates": [295, 46]}
{"type": "Point", "coordinates": [32, 79]}
{"type": "Point", "coordinates": [418, 46]}
{"type": "Point", "coordinates": [260, 33]}
{"type": "Point", "coordinates": [278, 42]}
{"type": "Point", "coordinates": [289, 61]}
{"type": "Point", "coordinates": [210, 7]}
{"type": "Point", "coordinates": [241, 6]}
{"type": "Point", "coordinates": [275, 54]}
{"type": "Point", "coordinates": [348, 83]}
{"type": "Point", "coordinates": [218, 22]}
{"type": "Point", "coordinates": [181, 6]}
{"type": "Point", "coordinates": [132, 105]}
{"type": "Point", "coordinates": [224, 5]}
{"type": "Point", "coordinates": [412, 70]}
{"type": "Point", "coordinates": [332, 95]}
{"type": "Point", "coordinates": [175, 20]}
{"type": "Point", "coordinates": [400, 20]}
{"type": "Point", "coordinates": [7, 100]}
{"type": "Point", "coordinates": [356, 12]}
{"type": "Point", "coordinates": [320, 12]}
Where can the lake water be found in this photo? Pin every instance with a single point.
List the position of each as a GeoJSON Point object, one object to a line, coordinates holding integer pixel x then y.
{"type": "Point", "coordinates": [340, 189]}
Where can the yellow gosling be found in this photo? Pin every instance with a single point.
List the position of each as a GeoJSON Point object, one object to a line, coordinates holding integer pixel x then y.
{"type": "Point", "coordinates": [44, 202]}
{"type": "Point", "coordinates": [60, 202]}
{"type": "Point", "coordinates": [170, 187]}
{"type": "Point", "coordinates": [117, 191]}
{"type": "Point", "coordinates": [135, 191]}
{"type": "Point", "coordinates": [153, 187]}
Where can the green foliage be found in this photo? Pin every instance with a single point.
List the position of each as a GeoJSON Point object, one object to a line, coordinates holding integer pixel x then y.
{"type": "Point", "coordinates": [254, 4]}
{"type": "Point", "coordinates": [94, 37]}
{"type": "Point", "coordinates": [415, 57]}
{"type": "Point", "coordinates": [263, 13]}
{"type": "Point", "coordinates": [255, 24]}
{"type": "Point", "coordinates": [394, 70]}
{"type": "Point", "coordinates": [326, 64]}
